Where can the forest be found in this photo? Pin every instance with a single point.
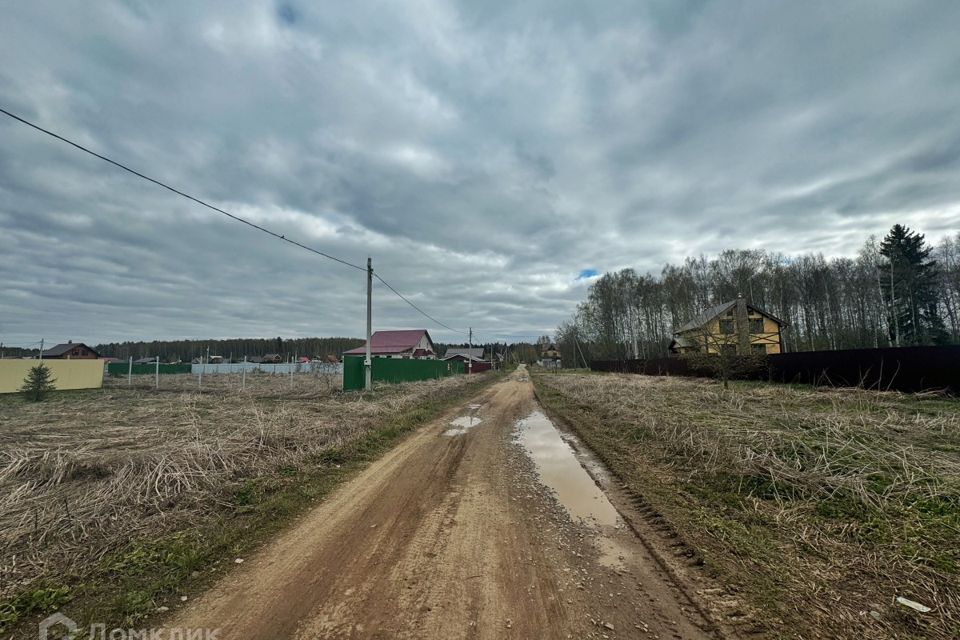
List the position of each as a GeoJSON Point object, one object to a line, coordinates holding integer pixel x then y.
{"type": "Point", "coordinates": [898, 291]}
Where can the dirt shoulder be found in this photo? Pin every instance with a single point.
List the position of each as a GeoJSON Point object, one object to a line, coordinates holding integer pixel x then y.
{"type": "Point", "coordinates": [449, 535]}
{"type": "Point", "coordinates": [812, 509]}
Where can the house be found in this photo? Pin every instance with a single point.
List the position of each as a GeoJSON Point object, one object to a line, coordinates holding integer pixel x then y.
{"type": "Point", "coordinates": [472, 359]}
{"type": "Point", "coordinates": [549, 356]}
{"type": "Point", "coordinates": [463, 353]}
{"type": "Point", "coordinates": [408, 344]}
{"type": "Point", "coordinates": [215, 360]}
{"type": "Point", "coordinates": [732, 327]}
{"type": "Point", "coordinates": [272, 358]}
{"type": "Point", "coordinates": [147, 360]}
{"type": "Point", "coordinates": [70, 350]}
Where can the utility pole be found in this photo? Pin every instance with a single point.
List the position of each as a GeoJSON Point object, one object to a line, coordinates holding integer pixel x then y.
{"type": "Point", "coordinates": [368, 363]}
{"type": "Point", "coordinates": [130, 371]}
{"type": "Point", "coordinates": [157, 374]}
{"type": "Point", "coordinates": [470, 355]}
{"type": "Point", "coordinates": [41, 349]}
{"type": "Point", "coordinates": [243, 375]}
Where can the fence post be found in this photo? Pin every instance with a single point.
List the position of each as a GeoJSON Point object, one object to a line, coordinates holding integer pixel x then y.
{"type": "Point", "coordinates": [130, 372]}
{"type": "Point", "coordinates": [158, 373]}
{"type": "Point", "coordinates": [243, 376]}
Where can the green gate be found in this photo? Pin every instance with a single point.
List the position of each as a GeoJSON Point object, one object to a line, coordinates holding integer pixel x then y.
{"type": "Point", "coordinates": [396, 370]}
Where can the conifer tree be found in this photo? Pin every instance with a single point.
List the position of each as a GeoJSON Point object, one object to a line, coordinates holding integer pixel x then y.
{"type": "Point", "coordinates": [909, 280]}
{"type": "Point", "coordinates": [38, 383]}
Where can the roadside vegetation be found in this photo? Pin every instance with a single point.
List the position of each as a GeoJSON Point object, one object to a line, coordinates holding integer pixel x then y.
{"type": "Point", "coordinates": [117, 502]}
{"type": "Point", "coordinates": [818, 506]}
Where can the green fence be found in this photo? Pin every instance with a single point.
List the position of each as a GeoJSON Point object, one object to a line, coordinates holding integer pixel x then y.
{"type": "Point", "coordinates": [396, 370]}
{"type": "Point", "coordinates": [121, 368]}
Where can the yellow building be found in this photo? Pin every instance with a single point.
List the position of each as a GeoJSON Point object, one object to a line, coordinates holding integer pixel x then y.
{"type": "Point", "coordinates": [734, 327]}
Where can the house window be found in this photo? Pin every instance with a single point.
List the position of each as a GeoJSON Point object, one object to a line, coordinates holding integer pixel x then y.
{"type": "Point", "coordinates": [726, 326]}
{"type": "Point", "coordinates": [756, 325]}
{"type": "Point", "coordinates": [758, 348]}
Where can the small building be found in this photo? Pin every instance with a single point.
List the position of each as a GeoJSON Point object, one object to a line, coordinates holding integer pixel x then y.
{"type": "Point", "coordinates": [272, 358]}
{"type": "Point", "coordinates": [408, 344]}
{"type": "Point", "coordinates": [215, 360]}
{"type": "Point", "coordinates": [462, 353]}
{"type": "Point", "coordinates": [147, 360]}
{"type": "Point", "coordinates": [471, 357]}
{"type": "Point", "coordinates": [732, 327]}
{"type": "Point", "coordinates": [70, 350]}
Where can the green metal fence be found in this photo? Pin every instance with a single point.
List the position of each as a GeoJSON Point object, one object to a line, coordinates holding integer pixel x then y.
{"type": "Point", "coordinates": [396, 370]}
{"type": "Point", "coordinates": [121, 368]}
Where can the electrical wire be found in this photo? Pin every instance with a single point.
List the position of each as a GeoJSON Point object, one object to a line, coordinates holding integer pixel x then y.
{"type": "Point", "coordinates": [178, 192]}
{"type": "Point", "coordinates": [424, 313]}
{"type": "Point", "coordinates": [226, 213]}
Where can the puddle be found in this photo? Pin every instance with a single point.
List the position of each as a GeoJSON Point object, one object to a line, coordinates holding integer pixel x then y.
{"type": "Point", "coordinates": [462, 424]}
{"type": "Point", "coordinates": [560, 469]}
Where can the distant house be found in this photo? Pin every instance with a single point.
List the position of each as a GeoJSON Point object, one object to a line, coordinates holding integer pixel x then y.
{"type": "Point", "coordinates": [463, 353]}
{"type": "Point", "coordinates": [732, 327]}
{"type": "Point", "coordinates": [409, 344]}
{"type": "Point", "coordinates": [472, 359]}
{"type": "Point", "coordinates": [550, 356]}
{"type": "Point", "coordinates": [272, 358]}
{"type": "Point", "coordinates": [147, 360]}
{"type": "Point", "coordinates": [70, 351]}
{"type": "Point", "coordinates": [215, 360]}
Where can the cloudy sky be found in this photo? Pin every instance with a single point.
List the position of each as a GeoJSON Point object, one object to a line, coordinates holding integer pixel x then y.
{"type": "Point", "coordinates": [485, 154]}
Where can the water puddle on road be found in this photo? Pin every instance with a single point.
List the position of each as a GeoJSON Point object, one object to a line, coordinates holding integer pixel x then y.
{"type": "Point", "coordinates": [560, 469]}
{"type": "Point", "coordinates": [462, 424]}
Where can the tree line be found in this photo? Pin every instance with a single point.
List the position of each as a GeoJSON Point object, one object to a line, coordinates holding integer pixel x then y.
{"type": "Point", "coordinates": [898, 291]}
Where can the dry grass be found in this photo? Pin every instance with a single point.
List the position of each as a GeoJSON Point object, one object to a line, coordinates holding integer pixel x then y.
{"type": "Point", "coordinates": [822, 505]}
{"type": "Point", "coordinates": [85, 472]}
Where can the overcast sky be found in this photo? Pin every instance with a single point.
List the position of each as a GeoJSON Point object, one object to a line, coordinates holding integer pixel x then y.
{"type": "Point", "coordinates": [485, 154]}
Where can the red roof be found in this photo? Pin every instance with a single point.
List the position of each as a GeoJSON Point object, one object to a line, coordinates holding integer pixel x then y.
{"type": "Point", "coordinates": [391, 342]}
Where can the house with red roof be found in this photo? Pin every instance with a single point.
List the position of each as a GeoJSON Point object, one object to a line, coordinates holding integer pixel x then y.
{"type": "Point", "coordinates": [409, 344]}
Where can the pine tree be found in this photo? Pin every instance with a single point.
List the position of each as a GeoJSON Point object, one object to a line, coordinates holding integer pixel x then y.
{"type": "Point", "coordinates": [909, 280]}
{"type": "Point", "coordinates": [38, 383]}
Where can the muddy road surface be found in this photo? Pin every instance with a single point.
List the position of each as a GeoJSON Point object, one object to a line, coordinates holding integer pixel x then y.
{"type": "Point", "coordinates": [482, 524]}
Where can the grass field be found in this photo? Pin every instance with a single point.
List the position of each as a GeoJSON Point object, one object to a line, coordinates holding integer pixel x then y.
{"type": "Point", "coordinates": [818, 506]}
{"type": "Point", "coordinates": [117, 500]}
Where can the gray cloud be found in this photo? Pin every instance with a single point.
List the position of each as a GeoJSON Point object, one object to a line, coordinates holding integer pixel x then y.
{"type": "Point", "coordinates": [483, 155]}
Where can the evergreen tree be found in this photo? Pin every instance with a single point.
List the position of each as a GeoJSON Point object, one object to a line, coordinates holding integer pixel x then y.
{"type": "Point", "coordinates": [909, 281]}
{"type": "Point", "coordinates": [38, 383]}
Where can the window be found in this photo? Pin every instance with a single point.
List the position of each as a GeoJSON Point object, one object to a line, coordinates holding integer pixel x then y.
{"type": "Point", "coordinates": [728, 349]}
{"type": "Point", "coordinates": [726, 326]}
{"type": "Point", "coordinates": [756, 325]}
{"type": "Point", "coordinates": [758, 348]}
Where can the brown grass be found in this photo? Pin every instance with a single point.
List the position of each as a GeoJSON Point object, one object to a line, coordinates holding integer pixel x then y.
{"type": "Point", "coordinates": [84, 472]}
{"type": "Point", "coordinates": [821, 505]}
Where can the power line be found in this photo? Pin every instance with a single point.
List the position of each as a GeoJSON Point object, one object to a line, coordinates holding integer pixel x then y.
{"type": "Point", "coordinates": [221, 211]}
{"type": "Point", "coordinates": [424, 313]}
{"type": "Point", "coordinates": [178, 192]}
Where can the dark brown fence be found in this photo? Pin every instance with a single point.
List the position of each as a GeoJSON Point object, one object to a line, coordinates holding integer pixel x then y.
{"type": "Point", "coordinates": [900, 369]}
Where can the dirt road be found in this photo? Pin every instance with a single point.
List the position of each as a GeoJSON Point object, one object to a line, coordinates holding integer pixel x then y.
{"type": "Point", "coordinates": [453, 535]}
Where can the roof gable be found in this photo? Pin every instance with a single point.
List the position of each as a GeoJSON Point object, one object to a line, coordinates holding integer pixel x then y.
{"type": "Point", "coordinates": [64, 347]}
{"type": "Point", "coordinates": [703, 318]}
{"type": "Point", "coordinates": [476, 352]}
{"type": "Point", "coordinates": [394, 341]}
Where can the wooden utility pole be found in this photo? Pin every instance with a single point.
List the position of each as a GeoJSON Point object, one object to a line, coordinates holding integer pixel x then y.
{"type": "Point", "coordinates": [470, 355]}
{"type": "Point", "coordinates": [368, 362]}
